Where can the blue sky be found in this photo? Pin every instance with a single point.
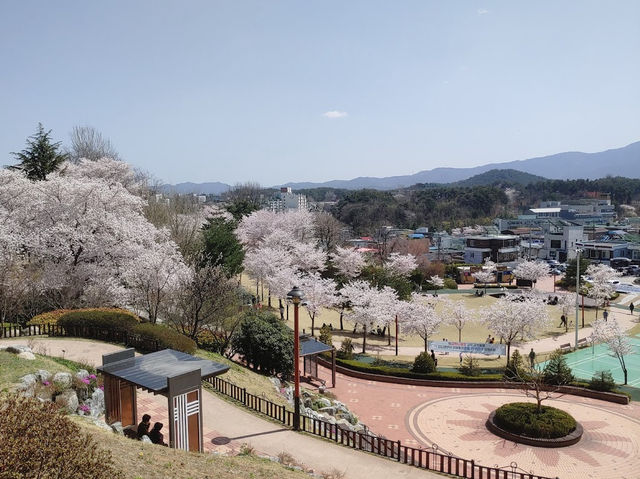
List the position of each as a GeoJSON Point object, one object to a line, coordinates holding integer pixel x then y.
{"type": "Point", "coordinates": [277, 91]}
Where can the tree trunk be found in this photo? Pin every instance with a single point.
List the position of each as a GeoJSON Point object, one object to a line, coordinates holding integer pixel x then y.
{"type": "Point", "coordinates": [426, 344]}
{"type": "Point", "coordinates": [364, 339]}
{"type": "Point", "coordinates": [508, 351]}
{"type": "Point", "coordinates": [341, 314]}
{"type": "Point", "coordinates": [459, 335]}
{"type": "Point", "coordinates": [313, 321]}
{"type": "Point", "coordinates": [625, 376]}
{"type": "Point", "coordinates": [389, 336]}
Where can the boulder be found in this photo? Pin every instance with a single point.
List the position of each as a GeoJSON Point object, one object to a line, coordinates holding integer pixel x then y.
{"type": "Point", "coordinates": [18, 348]}
{"type": "Point", "coordinates": [96, 403]}
{"type": "Point", "coordinates": [344, 424]}
{"type": "Point", "coordinates": [43, 394]}
{"type": "Point", "coordinates": [101, 424]}
{"type": "Point", "coordinates": [82, 373]}
{"type": "Point", "coordinates": [43, 375]}
{"type": "Point", "coordinates": [63, 380]}
{"type": "Point", "coordinates": [323, 402]}
{"type": "Point", "coordinates": [68, 400]}
{"type": "Point", "coordinates": [328, 410]}
{"type": "Point", "coordinates": [26, 355]}
{"type": "Point", "coordinates": [116, 427]}
{"type": "Point", "coordinates": [28, 381]}
{"type": "Point", "coordinates": [276, 382]}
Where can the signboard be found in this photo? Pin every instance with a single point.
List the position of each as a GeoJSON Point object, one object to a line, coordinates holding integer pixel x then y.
{"type": "Point", "coordinates": [468, 348]}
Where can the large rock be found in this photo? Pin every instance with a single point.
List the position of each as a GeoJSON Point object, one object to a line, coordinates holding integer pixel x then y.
{"type": "Point", "coordinates": [28, 381]}
{"type": "Point", "coordinates": [323, 402]}
{"type": "Point", "coordinates": [344, 424]}
{"type": "Point", "coordinates": [43, 375]}
{"type": "Point", "coordinates": [117, 428]}
{"type": "Point", "coordinates": [328, 410]}
{"type": "Point", "coordinates": [63, 380]}
{"type": "Point", "coordinates": [68, 400]}
{"type": "Point", "coordinates": [96, 403]}
{"type": "Point", "coordinates": [43, 394]}
{"type": "Point", "coordinates": [26, 355]}
{"type": "Point", "coordinates": [82, 373]}
{"type": "Point", "coordinates": [18, 348]}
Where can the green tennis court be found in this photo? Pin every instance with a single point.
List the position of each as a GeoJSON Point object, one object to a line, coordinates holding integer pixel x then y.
{"type": "Point", "coordinates": [585, 362]}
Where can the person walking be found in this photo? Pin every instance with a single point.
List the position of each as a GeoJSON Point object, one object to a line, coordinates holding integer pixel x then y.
{"type": "Point", "coordinates": [563, 321]}
{"type": "Point", "coordinates": [433, 356]}
{"type": "Point", "coordinates": [532, 358]}
{"type": "Point", "coordinates": [605, 314]}
{"type": "Point", "coordinates": [631, 308]}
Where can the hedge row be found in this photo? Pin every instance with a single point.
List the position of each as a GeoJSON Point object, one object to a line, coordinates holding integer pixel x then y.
{"type": "Point", "coordinates": [52, 317]}
{"type": "Point", "coordinates": [523, 418]}
{"type": "Point", "coordinates": [119, 325]}
{"type": "Point", "coordinates": [406, 373]}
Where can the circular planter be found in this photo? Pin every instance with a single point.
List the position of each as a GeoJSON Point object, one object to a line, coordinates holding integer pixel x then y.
{"type": "Point", "coordinates": [568, 440]}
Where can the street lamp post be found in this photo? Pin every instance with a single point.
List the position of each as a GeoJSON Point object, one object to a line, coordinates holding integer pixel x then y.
{"type": "Point", "coordinates": [578, 251]}
{"type": "Point", "coordinates": [296, 295]}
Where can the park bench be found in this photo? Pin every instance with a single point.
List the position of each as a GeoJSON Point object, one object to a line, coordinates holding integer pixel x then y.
{"type": "Point", "coordinates": [565, 347]}
{"type": "Point", "coordinates": [582, 343]}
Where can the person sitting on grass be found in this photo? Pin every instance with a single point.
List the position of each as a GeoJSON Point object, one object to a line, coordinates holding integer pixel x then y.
{"type": "Point", "coordinates": [156, 436]}
{"type": "Point", "coordinates": [143, 427]}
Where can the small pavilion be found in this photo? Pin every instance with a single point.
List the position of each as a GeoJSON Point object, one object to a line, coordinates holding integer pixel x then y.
{"type": "Point", "coordinates": [173, 374]}
{"type": "Point", "coordinates": [310, 349]}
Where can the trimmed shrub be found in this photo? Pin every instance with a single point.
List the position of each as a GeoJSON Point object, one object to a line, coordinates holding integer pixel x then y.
{"type": "Point", "coordinates": [123, 326]}
{"type": "Point", "coordinates": [94, 318]}
{"type": "Point", "coordinates": [602, 381]}
{"type": "Point", "coordinates": [470, 366]}
{"type": "Point", "coordinates": [407, 373]}
{"type": "Point", "coordinates": [557, 371]}
{"type": "Point", "coordinates": [265, 343]}
{"type": "Point", "coordinates": [326, 335]}
{"type": "Point", "coordinates": [515, 371]}
{"type": "Point", "coordinates": [210, 341]}
{"type": "Point", "coordinates": [37, 440]}
{"type": "Point", "coordinates": [52, 317]}
{"type": "Point", "coordinates": [450, 283]}
{"type": "Point", "coordinates": [166, 338]}
{"type": "Point", "coordinates": [423, 363]}
{"type": "Point", "coordinates": [346, 349]}
{"type": "Point", "coordinates": [523, 419]}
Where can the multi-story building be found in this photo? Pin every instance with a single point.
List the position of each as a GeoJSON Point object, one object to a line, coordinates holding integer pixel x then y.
{"type": "Point", "coordinates": [560, 244]}
{"type": "Point", "coordinates": [499, 248]}
{"type": "Point", "coordinates": [287, 200]}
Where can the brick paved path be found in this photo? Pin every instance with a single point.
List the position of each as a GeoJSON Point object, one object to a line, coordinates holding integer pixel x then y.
{"type": "Point", "coordinates": [453, 419]}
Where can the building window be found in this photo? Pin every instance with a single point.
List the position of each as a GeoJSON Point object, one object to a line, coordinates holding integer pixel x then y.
{"type": "Point", "coordinates": [556, 244]}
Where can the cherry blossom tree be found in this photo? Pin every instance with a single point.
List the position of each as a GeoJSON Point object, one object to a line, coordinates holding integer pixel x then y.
{"type": "Point", "coordinates": [437, 283]}
{"type": "Point", "coordinates": [81, 230]}
{"type": "Point", "coordinates": [456, 314]}
{"type": "Point", "coordinates": [531, 271]}
{"type": "Point", "coordinates": [348, 262]}
{"type": "Point", "coordinates": [419, 317]}
{"type": "Point", "coordinates": [401, 264]}
{"type": "Point", "coordinates": [619, 344]}
{"type": "Point", "coordinates": [567, 304]}
{"type": "Point", "coordinates": [369, 306]}
{"type": "Point", "coordinates": [484, 277]}
{"type": "Point", "coordinates": [601, 285]}
{"type": "Point", "coordinates": [516, 315]}
{"type": "Point", "coordinates": [319, 293]}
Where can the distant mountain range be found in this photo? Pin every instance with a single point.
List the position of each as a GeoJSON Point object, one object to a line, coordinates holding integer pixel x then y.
{"type": "Point", "coordinates": [212, 188]}
{"type": "Point", "coordinates": [492, 177]}
{"type": "Point", "coordinates": [623, 161]}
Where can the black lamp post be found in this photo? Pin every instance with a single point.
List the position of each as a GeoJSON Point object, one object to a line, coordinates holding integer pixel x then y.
{"type": "Point", "coordinates": [296, 296]}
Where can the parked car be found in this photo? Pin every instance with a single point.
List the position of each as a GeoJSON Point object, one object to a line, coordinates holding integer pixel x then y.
{"type": "Point", "coordinates": [556, 271]}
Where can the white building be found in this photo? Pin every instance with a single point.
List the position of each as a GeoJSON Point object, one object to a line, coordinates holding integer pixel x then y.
{"type": "Point", "coordinates": [287, 200]}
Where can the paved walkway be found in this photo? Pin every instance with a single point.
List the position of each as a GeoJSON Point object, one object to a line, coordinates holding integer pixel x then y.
{"type": "Point", "coordinates": [227, 426]}
{"type": "Point", "coordinates": [453, 420]}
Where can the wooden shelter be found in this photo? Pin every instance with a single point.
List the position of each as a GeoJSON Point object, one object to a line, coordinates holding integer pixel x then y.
{"type": "Point", "coordinates": [174, 374]}
{"type": "Point", "coordinates": [310, 348]}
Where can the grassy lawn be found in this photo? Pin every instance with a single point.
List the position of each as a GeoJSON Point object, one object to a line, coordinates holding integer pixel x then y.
{"type": "Point", "coordinates": [148, 461]}
{"type": "Point", "coordinates": [12, 368]}
{"type": "Point", "coordinates": [254, 383]}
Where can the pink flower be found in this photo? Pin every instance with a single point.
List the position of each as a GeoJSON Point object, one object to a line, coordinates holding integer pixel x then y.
{"type": "Point", "coordinates": [86, 381]}
{"type": "Point", "coordinates": [45, 383]}
{"type": "Point", "coordinates": [92, 376]}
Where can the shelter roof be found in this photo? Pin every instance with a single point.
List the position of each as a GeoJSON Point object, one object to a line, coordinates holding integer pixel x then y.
{"type": "Point", "coordinates": [309, 346]}
{"type": "Point", "coordinates": [150, 371]}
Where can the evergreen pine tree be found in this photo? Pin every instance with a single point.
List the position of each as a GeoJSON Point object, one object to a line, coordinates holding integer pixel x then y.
{"type": "Point", "coordinates": [557, 371]}
{"type": "Point", "coordinates": [40, 157]}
